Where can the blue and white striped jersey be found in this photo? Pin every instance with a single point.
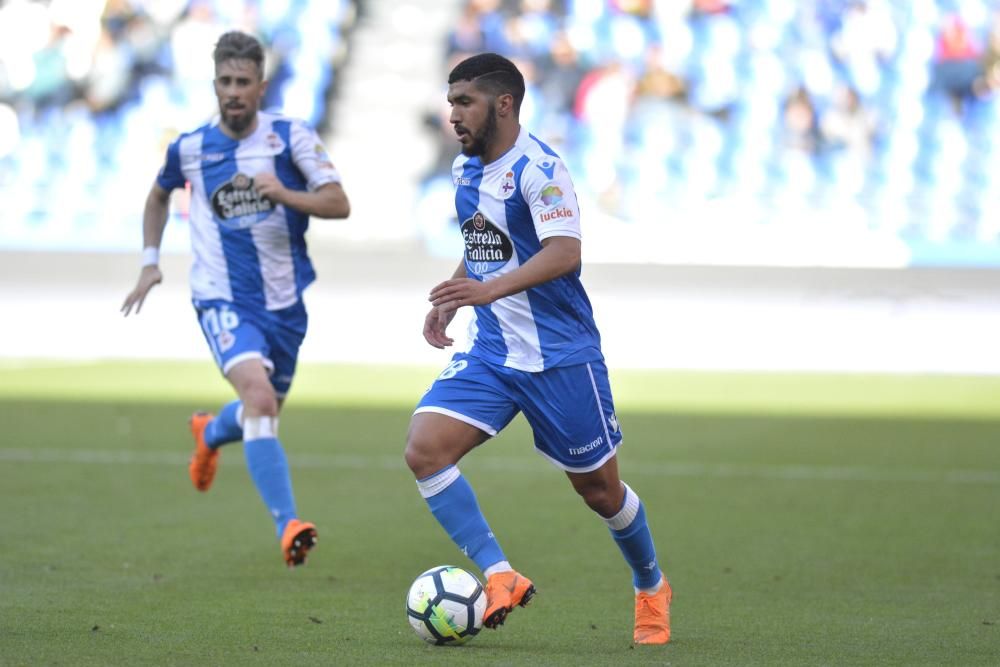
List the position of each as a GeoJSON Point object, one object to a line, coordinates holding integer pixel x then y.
{"type": "Point", "coordinates": [505, 210]}
{"type": "Point", "coordinates": [246, 248]}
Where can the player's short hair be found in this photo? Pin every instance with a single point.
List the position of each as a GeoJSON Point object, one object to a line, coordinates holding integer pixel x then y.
{"type": "Point", "coordinates": [236, 45]}
{"type": "Point", "coordinates": [493, 74]}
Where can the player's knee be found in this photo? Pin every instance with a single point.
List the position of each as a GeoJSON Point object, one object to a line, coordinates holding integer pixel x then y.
{"type": "Point", "coordinates": [423, 458]}
{"type": "Point", "coordinates": [259, 402]}
{"type": "Point", "coordinates": [600, 497]}
{"type": "Point", "coordinates": [412, 458]}
{"type": "Point", "coordinates": [418, 457]}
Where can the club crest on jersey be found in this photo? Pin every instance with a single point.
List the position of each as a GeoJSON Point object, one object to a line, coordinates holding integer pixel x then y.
{"type": "Point", "coordinates": [487, 247]}
{"type": "Point", "coordinates": [507, 185]}
{"type": "Point", "coordinates": [274, 142]}
{"type": "Point", "coordinates": [238, 205]}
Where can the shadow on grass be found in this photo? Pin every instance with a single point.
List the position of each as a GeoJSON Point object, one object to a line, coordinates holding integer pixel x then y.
{"type": "Point", "coordinates": [661, 443]}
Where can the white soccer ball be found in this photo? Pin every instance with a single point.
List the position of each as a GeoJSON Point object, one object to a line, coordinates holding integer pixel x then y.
{"type": "Point", "coordinates": [445, 605]}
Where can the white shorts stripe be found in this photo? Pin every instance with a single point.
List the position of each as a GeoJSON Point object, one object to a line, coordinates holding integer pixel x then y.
{"type": "Point", "coordinates": [600, 408]}
{"type": "Point", "coordinates": [482, 426]}
{"type": "Point", "coordinates": [268, 364]}
{"type": "Point", "coordinates": [590, 468]}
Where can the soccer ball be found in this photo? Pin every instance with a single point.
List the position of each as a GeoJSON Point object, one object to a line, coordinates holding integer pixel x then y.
{"type": "Point", "coordinates": [445, 605]}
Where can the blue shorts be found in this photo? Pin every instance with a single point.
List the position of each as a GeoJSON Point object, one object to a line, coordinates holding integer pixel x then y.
{"type": "Point", "coordinates": [235, 334]}
{"type": "Point", "coordinates": [569, 408]}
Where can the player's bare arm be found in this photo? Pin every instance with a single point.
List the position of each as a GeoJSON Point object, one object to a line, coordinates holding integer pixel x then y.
{"type": "Point", "coordinates": [154, 220]}
{"type": "Point", "coordinates": [559, 255]}
{"type": "Point", "coordinates": [329, 201]}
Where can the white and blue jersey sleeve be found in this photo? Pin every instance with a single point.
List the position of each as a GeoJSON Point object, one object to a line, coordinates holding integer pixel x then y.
{"type": "Point", "coordinates": [310, 156]}
{"type": "Point", "coordinates": [246, 248]}
{"type": "Point", "coordinates": [506, 209]}
{"type": "Point", "coordinates": [548, 190]}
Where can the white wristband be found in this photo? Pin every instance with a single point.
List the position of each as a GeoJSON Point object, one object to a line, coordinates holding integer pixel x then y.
{"type": "Point", "coordinates": [150, 256]}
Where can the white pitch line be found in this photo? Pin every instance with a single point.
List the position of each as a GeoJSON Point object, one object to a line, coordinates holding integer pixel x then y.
{"type": "Point", "coordinates": [792, 472]}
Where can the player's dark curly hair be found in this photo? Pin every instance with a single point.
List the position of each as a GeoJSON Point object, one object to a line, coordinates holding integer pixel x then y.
{"type": "Point", "coordinates": [239, 46]}
{"type": "Point", "coordinates": [493, 74]}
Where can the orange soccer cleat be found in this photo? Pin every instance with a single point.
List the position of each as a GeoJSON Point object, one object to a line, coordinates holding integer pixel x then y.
{"type": "Point", "coordinates": [205, 459]}
{"type": "Point", "coordinates": [504, 591]}
{"type": "Point", "coordinates": [652, 616]}
{"type": "Point", "coordinates": [296, 541]}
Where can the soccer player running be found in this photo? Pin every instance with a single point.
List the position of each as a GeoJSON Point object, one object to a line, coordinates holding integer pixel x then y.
{"type": "Point", "coordinates": [255, 179]}
{"type": "Point", "coordinates": [534, 346]}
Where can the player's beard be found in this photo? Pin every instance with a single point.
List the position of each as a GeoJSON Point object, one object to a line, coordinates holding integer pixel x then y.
{"type": "Point", "coordinates": [239, 122]}
{"type": "Point", "coordinates": [482, 139]}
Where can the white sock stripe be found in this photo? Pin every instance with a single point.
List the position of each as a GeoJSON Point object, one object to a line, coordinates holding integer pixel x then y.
{"type": "Point", "coordinates": [438, 482]}
{"type": "Point", "coordinates": [239, 414]}
{"type": "Point", "coordinates": [255, 428]}
{"type": "Point", "coordinates": [502, 566]}
{"type": "Point", "coordinates": [628, 512]}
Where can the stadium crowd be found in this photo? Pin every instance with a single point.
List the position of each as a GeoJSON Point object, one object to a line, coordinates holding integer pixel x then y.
{"type": "Point", "coordinates": [880, 113]}
{"type": "Point", "coordinates": [711, 117]}
{"type": "Point", "coordinates": [91, 91]}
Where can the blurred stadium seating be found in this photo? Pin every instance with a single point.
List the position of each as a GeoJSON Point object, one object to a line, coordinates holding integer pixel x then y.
{"type": "Point", "coordinates": [91, 92]}
{"type": "Point", "coordinates": [768, 132]}
{"type": "Point", "coordinates": [830, 132]}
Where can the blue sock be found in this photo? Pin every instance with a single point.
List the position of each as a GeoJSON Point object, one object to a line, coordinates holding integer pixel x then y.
{"type": "Point", "coordinates": [269, 471]}
{"type": "Point", "coordinates": [631, 532]}
{"type": "Point", "coordinates": [225, 427]}
{"type": "Point", "coordinates": [454, 505]}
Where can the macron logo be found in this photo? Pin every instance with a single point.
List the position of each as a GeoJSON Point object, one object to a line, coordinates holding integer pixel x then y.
{"type": "Point", "coordinates": [547, 168]}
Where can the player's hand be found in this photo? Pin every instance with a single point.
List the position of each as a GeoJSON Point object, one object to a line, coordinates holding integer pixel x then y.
{"type": "Point", "coordinates": [457, 292]}
{"type": "Point", "coordinates": [268, 185]}
{"type": "Point", "coordinates": [435, 325]}
{"type": "Point", "coordinates": [149, 277]}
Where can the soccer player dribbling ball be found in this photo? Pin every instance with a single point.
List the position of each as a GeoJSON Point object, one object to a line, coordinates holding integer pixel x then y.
{"type": "Point", "coordinates": [534, 346]}
{"type": "Point", "coordinates": [256, 178]}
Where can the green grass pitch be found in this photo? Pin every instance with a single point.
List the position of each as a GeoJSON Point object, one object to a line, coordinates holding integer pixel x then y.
{"type": "Point", "coordinates": [802, 519]}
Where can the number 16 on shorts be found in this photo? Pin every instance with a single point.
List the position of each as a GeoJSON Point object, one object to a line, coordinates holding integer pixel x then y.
{"type": "Point", "coordinates": [218, 323]}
